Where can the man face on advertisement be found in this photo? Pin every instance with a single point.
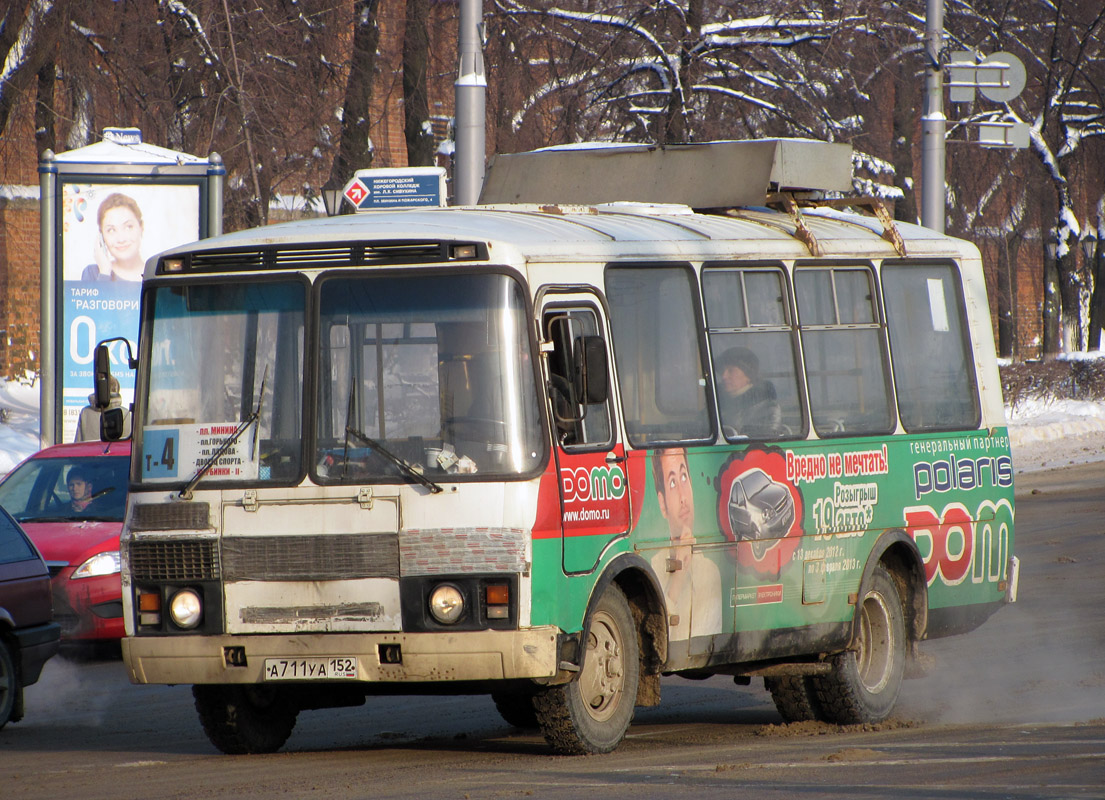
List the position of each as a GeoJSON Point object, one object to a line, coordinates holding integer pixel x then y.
{"type": "Point", "coordinates": [675, 493]}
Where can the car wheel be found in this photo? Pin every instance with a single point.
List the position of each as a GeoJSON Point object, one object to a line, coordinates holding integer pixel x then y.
{"type": "Point", "coordinates": [245, 719]}
{"type": "Point", "coordinates": [864, 682]}
{"type": "Point", "coordinates": [9, 683]}
{"type": "Point", "coordinates": [591, 713]}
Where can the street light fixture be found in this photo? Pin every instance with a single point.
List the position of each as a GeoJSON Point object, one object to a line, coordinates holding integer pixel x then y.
{"type": "Point", "coordinates": [1089, 247]}
{"type": "Point", "coordinates": [331, 201]}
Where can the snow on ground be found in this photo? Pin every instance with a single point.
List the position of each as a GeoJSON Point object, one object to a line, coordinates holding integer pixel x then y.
{"type": "Point", "coordinates": [18, 423]}
{"type": "Point", "coordinates": [1056, 434]}
{"type": "Point", "coordinates": [1043, 434]}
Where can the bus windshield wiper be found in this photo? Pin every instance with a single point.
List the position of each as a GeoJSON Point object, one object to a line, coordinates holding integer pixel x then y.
{"type": "Point", "coordinates": [228, 442]}
{"type": "Point", "coordinates": [405, 466]}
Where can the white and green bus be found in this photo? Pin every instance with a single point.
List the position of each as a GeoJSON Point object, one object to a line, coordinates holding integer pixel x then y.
{"type": "Point", "coordinates": [555, 446]}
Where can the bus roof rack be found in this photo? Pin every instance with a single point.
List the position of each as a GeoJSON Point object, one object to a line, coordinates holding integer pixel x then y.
{"type": "Point", "coordinates": [701, 175]}
{"type": "Point", "coordinates": [792, 204]}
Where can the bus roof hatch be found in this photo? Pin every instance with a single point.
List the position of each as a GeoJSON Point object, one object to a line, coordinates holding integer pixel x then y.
{"type": "Point", "coordinates": [703, 175]}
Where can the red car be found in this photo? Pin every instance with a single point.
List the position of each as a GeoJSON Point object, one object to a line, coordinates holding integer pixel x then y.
{"type": "Point", "coordinates": [70, 499]}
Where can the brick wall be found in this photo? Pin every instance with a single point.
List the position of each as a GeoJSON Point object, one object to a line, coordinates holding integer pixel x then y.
{"type": "Point", "coordinates": [19, 287]}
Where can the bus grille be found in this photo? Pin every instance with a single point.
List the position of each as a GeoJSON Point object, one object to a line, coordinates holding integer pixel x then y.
{"type": "Point", "coordinates": [310, 558]}
{"type": "Point", "coordinates": [193, 560]}
{"type": "Point", "coordinates": [170, 517]}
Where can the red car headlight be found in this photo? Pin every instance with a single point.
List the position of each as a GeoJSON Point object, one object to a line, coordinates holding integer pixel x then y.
{"type": "Point", "coordinates": [100, 564]}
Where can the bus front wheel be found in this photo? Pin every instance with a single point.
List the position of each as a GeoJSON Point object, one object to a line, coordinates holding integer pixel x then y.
{"type": "Point", "coordinates": [515, 706]}
{"type": "Point", "coordinates": [245, 719]}
{"type": "Point", "coordinates": [592, 713]}
{"type": "Point", "coordinates": [864, 682]}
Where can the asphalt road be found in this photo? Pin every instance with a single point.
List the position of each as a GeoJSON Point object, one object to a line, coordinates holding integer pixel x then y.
{"type": "Point", "coordinates": [1013, 710]}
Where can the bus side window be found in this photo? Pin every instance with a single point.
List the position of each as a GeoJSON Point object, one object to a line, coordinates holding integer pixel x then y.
{"type": "Point", "coordinates": [656, 326]}
{"type": "Point", "coordinates": [576, 422]}
{"type": "Point", "coordinates": [929, 346]}
{"type": "Point", "coordinates": [844, 350]}
{"type": "Point", "coordinates": [754, 353]}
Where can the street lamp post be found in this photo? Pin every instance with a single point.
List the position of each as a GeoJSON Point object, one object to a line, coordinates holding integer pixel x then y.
{"type": "Point", "coordinates": [1052, 329]}
{"type": "Point", "coordinates": [1092, 264]}
{"type": "Point", "coordinates": [933, 122]}
{"type": "Point", "coordinates": [471, 96]}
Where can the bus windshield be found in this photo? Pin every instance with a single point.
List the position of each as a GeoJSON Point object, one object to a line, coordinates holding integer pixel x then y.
{"type": "Point", "coordinates": [224, 356]}
{"type": "Point", "coordinates": [431, 373]}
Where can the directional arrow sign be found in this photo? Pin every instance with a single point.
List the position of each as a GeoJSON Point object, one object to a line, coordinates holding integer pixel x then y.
{"type": "Point", "coordinates": [356, 192]}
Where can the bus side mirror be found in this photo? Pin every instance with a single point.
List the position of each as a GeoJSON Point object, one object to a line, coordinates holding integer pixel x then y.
{"type": "Point", "coordinates": [592, 385]}
{"type": "Point", "coordinates": [102, 377]}
{"type": "Point", "coordinates": [112, 422]}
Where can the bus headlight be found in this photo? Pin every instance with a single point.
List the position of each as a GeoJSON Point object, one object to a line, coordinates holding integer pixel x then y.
{"type": "Point", "coordinates": [446, 603]}
{"type": "Point", "coordinates": [186, 609]}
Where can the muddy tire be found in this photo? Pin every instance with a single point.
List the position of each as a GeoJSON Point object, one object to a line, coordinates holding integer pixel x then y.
{"type": "Point", "coordinates": [865, 680]}
{"type": "Point", "coordinates": [795, 698]}
{"type": "Point", "coordinates": [515, 706]}
{"type": "Point", "coordinates": [592, 713]}
{"type": "Point", "coordinates": [245, 719]}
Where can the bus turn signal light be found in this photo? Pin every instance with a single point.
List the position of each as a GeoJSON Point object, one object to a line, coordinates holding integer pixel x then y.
{"type": "Point", "coordinates": [498, 601]}
{"type": "Point", "coordinates": [149, 608]}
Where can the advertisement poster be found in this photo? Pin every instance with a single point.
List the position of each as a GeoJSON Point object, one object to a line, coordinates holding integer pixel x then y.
{"type": "Point", "coordinates": [108, 232]}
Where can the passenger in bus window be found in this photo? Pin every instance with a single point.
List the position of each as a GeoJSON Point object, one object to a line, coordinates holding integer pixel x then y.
{"type": "Point", "coordinates": [749, 406]}
{"type": "Point", "coordinates": [687, 580]}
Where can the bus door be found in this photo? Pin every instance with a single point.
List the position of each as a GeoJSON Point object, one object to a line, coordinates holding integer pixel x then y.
{"type": "Point", "coordinates": [594, 483]}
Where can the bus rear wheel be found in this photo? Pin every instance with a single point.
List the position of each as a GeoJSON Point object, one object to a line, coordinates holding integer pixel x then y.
{"type": "Point", "coordinates": [245, 719]}
{"type": "Point", "coordinates": [592, 713]}
{"type": "Point", "coordinates": [864, 682]}
{"type": "Point", "coordinates": [795, 697]}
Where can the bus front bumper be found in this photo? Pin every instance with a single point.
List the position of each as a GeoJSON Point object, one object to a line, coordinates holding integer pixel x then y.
{"type": "Point", "coordinates": [380, 657]}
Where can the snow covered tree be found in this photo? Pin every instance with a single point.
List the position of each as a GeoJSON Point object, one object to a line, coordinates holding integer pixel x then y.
{"type": "Point", "coordinates": [416, 68]}
{"type": "Point", "coordinates": [1063, 48]}
{"type": "Point", "coordinates": [253, 82]}
{"type": "Point", "coordinates": [355, 149]}
{"type": "Point", "coordinates": [29, 33]}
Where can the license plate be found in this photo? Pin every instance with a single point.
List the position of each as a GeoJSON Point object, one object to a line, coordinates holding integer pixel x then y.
{"type": "Point", "coordinates": [311, 669]}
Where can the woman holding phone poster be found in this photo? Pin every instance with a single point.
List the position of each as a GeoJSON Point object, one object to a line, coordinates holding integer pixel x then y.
{"type": "Point", "coordinates": [119, 243]}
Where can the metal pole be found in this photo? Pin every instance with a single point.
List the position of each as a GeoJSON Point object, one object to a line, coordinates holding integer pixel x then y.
{"type": "Point", "coordinates": [216, 177]}
{"type": "Point", "coordinates": [48, 287]}
{"type": "Point", "coordinates": [471, 91]}
{"type": "Point", "coordinates": [933, 123]}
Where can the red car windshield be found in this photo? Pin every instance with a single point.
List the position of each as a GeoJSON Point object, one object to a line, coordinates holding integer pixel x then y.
{"type": "Point", "coordinates": [67, 489]}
